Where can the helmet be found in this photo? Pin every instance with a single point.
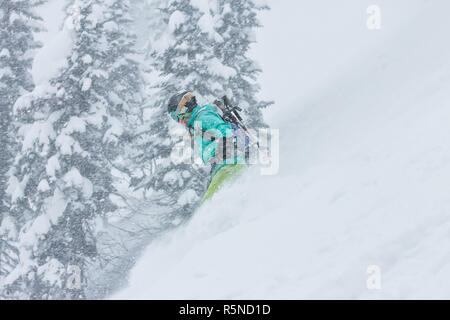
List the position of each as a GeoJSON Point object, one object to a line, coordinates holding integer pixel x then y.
{"type": "Point", "coordinates": [181, 103]}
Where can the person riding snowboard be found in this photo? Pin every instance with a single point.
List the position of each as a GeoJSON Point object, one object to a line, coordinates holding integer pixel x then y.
{"type": "Point", "coordinates": [221, 144]}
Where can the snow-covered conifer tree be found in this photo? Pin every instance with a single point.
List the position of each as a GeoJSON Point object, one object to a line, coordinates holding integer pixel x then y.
{"type": "Point", "coordinates": [18, 21]}
{"type": "Point", "coordinates": [176, 187]}
{"type": "Point", "coordinates": [73, 133]}
{"type": "Point", "coordinates": [236, 25]}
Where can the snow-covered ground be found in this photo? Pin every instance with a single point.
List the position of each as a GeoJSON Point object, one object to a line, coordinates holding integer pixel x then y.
{"type": "Point", "coordinates": [364, 167]}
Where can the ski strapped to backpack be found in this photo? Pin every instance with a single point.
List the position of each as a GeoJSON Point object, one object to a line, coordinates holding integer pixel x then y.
{"type": "Point", "coordinates": [231, 114]}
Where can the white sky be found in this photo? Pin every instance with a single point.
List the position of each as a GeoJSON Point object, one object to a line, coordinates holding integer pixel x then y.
{"type": "Point", "coordinates": [304, 42]}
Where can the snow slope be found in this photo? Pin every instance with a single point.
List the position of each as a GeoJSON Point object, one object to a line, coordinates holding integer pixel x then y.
{"type": "Point", "coordinates": [364, 172]}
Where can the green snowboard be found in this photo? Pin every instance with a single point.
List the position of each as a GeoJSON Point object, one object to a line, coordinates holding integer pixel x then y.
{"type": "Point", "coordinates": [227, 173]}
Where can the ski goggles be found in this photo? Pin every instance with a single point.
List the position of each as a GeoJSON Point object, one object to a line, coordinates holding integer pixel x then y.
{"type": "Point", "coordinates": [181, 112]}
{"type": "Point", "coordinates": [179, 117]}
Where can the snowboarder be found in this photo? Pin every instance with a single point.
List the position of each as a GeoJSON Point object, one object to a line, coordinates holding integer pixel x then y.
{"type": "Point", "coordinates": [218, 142]}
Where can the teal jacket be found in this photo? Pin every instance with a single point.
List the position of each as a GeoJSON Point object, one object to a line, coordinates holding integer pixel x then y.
{"type": "Point", "coordinates": [205, 121]}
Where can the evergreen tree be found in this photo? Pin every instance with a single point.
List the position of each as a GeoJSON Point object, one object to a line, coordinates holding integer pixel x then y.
{"type": "Point", "coordinates": [208, 52]}
{"type": "Point", "coordinates": [73, 137]}
{"type": "Point", "coordinates": [236, 25]}
{"type": "Point", "coordinates": [17, 24]}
